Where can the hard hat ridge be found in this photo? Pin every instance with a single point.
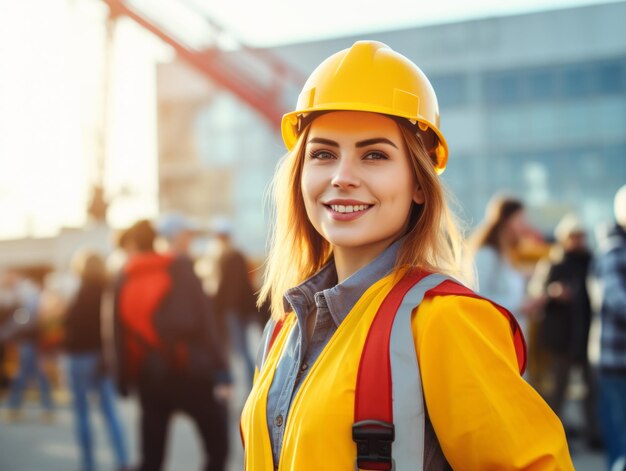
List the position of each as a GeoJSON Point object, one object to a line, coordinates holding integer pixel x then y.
{"type": "Point", "coordinates": [370, 76]}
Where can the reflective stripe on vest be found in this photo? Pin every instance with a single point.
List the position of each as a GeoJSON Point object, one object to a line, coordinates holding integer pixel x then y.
{"type": "Point", "coordinates": [389, 370]}
{"type": "Point", "coordinates": [408, 397]}
{"type": "Point", "coordinates": [389, 381]}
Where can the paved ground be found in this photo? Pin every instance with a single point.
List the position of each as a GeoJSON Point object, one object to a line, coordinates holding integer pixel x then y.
{"type": "Point", "coordinates": [30, 445]}
{"type": "Point", "coordinates": [33, 445]}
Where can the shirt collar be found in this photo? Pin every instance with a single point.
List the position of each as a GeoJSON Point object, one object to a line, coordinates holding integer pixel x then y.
{"type": "Point", "coordinates": [322, 288]}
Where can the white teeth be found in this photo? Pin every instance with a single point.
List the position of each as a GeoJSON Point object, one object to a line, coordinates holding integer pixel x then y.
{"type": "Point", "coordinates": [348, 209]}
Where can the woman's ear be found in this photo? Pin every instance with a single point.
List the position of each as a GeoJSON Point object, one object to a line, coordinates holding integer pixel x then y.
{"type": "Point", "coordinates": [418, 195]}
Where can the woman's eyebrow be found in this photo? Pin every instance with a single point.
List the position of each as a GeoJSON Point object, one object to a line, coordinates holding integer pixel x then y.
{"type": "Point", "coordinates": [365, 143]}
{"type": "Point", "coordinates": [321, 140]}
{"type": "Point", "coordinates": [376, 140]}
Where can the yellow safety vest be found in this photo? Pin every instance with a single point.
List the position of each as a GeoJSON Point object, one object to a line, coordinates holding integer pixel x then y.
{"type": "Point", "coordinates": [319, 427]}
{"type": "Point", "coordinates": [318, 434]}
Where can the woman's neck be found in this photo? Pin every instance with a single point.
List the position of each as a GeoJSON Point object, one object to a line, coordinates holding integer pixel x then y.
{"type": "Point", "coordinates": [349, 260]}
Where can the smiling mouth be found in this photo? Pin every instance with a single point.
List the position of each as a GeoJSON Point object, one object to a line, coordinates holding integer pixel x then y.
{"type": "Point", "coordinates": [346, 209]}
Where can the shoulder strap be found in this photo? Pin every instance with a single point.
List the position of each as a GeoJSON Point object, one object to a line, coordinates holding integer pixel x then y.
{"type": "Point", "coordinates": [373, 429]}
{"type": "Point", "coordinates": [270, 333]}
{"type": "Point", "coordinates": [277, 327]}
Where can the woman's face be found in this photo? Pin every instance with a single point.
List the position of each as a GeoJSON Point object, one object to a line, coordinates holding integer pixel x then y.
{"type": "Point", "coordinates": [357, 183]}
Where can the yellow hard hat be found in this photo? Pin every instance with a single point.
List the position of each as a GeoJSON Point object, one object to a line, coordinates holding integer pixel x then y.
{"type": "Point", "coordinates": [370, 76]}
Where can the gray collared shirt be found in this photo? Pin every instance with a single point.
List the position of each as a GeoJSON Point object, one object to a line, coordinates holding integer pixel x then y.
{"type": "Point", "coordinates": [332, 302]}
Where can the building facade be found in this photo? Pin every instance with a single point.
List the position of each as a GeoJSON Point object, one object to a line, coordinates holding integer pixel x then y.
{"type": "Point", "coordinates": [532, 105]}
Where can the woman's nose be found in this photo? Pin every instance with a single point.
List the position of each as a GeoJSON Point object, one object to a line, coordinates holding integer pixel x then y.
{"type": "Point", "coordinates": [345, 174]}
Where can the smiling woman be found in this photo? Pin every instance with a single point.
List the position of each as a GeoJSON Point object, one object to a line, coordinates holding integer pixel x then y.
{"type": "Point", "coordinates": [376, 359]}
{"type": "Point", "coordinates": [351, 175]}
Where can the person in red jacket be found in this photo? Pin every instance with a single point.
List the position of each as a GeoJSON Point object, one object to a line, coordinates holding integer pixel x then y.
{"type": "Point", "coordinates": [168, 350]}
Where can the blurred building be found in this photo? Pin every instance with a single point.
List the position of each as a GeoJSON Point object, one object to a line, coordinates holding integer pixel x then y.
{"type": "Point", "coordinates": [533, 104]}
{"type": "Point", "coordinates": [36, 257]}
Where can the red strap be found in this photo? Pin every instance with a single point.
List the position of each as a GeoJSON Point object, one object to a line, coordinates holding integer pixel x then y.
{"type": "Point", "coordinates": [373, 400]}
{"type": "Point", "coordinates": [277, 327]}
{"type": "Point", "coordinates": [243, 442]}
{"type": "Point", "coordinates": [373, 393]}
{"type": "Point", "coordinates": [373, 384]}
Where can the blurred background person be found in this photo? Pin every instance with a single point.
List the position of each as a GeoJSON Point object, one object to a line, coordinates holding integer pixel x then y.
{"type": "Point", "coordinates": [492, 248]}
{"type": "Point", "coordinates": [7, 308]}
{"type": "Point", "coordinates": [560, 281]}
{"type": "Point", "coordinates": [168, 350]}
{"type": "Point", "coordinates": [24, 295]}
{"type": "Point", "coordinates": [88, 371]}
{"type": "Point", "coordinates": [235, 300]}
{"type": "Point", "coordinates": [178, 232]}
{"type": "Point", "coordinates": [611, 270]}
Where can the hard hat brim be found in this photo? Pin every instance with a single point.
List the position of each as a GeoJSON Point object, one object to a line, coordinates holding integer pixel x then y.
{"type": "Point", "coordinates": [290, 131]}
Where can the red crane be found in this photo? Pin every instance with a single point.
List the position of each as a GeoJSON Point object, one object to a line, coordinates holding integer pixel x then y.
{"type": "Point", "coordinates": [258, 77]}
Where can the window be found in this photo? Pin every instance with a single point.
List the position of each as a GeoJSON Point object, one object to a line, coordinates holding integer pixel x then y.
{"type": "Point", "coordinates": [507, 126]}
{"type": "Point", "coordinates": [611, 77]}
{"type": "Point", "coordinates": [541, 84]}
{"type": "Point", "coordinates": [577, 81]}
{"type": "Point", "coordinates": [562, 82]}
{"type": "Point", "coordinates": [575, 121]}
{"type": "Point", "coordinates": [609, 121]}
{"type": "Point", "coordinates": [503, 88]}
{"type": "Point", "coordinates": [451, 90]}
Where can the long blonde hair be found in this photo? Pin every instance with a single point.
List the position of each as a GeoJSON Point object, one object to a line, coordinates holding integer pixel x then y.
{"type": "Point", "coordinates": [297, 251]}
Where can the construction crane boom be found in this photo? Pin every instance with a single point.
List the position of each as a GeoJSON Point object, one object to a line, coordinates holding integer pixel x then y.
{"type": "Point", "coordinates": [229, 69]}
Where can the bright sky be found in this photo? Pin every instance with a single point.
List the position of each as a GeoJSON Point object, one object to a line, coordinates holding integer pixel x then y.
{"type": "Point", "coordinates": [272, 22]}
{"type": "Point", "coordinates": [51, 63]}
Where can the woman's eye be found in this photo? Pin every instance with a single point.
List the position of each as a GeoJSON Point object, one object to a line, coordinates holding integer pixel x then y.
{"type": "Point", "coordinates": [376, 156]}
{"type": "Point", "coordinates": [321, 155]}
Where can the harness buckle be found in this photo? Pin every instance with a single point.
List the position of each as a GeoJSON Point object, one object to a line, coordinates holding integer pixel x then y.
{"type": "Point", "coordinates": [373, 440]}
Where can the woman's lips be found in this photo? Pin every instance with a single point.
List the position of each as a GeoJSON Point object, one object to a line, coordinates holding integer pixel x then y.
{"type": "Point", "coordinates": [347, 212]}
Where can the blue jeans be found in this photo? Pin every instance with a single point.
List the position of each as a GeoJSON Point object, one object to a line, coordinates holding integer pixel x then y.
{"type": "Point", "coordinates": [85, 377]}
{"type": "Point", "coordinates": [613, 415]}
{"type": "Point", "coordinates": [237, 330]}
{"type": "Point", "coordinates": [29, 369]}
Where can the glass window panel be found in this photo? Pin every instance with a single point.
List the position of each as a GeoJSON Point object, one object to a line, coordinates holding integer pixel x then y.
{"type": "Point", "coordinates": [610, 77]}
{"type": "Point", "coordinates": [575, 120]}
{"type": "Point", "coordinates": [506, 126]}
{"type": "Point", "coordinates": [576, 81]}
{"type": "Point", "coordinates": [610, 119]}
{"type": "Point", "coordinates": [541, 123]}
{"type": "Point", "coordinates": [541, 84]}
{"type": "Point", "coordinates": [614, 162]}
{"type": "Point", "coordinates": [503, 88]}
{"type": "Point", "coordinates": [451, 90]}
{"type": "Point", "coordinates": [571, 81]}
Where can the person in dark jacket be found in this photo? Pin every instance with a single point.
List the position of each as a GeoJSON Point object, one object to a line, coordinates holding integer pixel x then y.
{"type": "Point", "coordinates": [87, 370]}
{"type": "Point", "coordinates": [25, 296]}
{"type": "Point", "coordinates": [611, 270]}
{"type": "Point", "coordinates": [167, 349]}
{"type": "Point", "coordinates": [234, 297]}
{"type": "Point", "coordinates": [564, 329]}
